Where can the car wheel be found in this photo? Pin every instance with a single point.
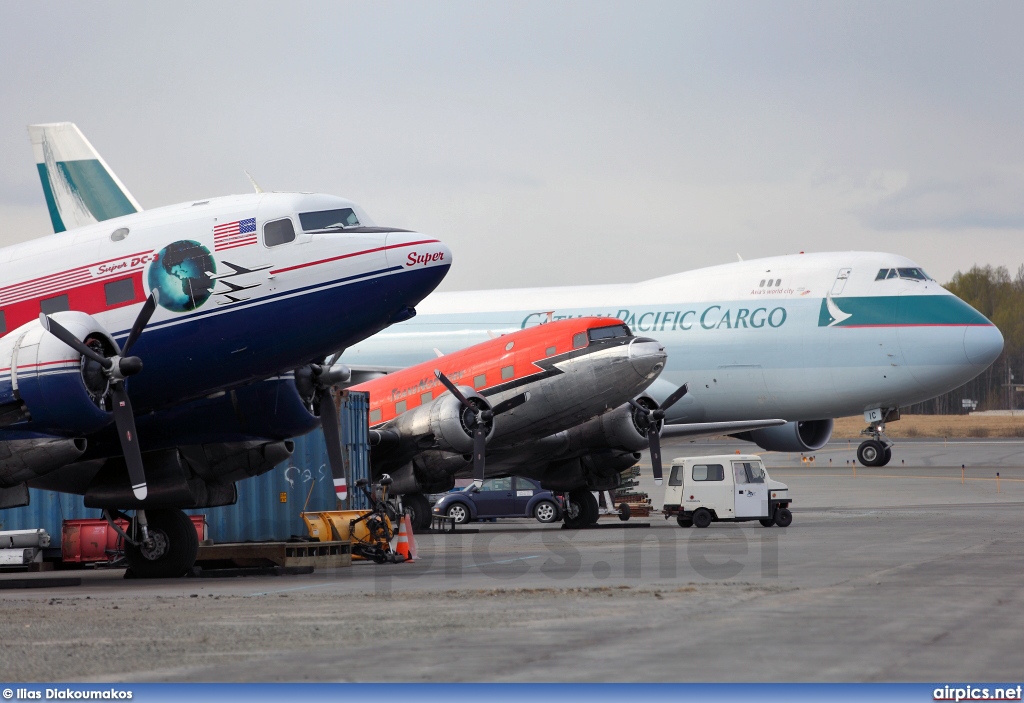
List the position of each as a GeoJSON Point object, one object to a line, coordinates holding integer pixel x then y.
{"type": "Point", "coordinates": [701, 517]}
{"type": "Point", "coordinates": [767, 522]}
{"type": "Point", "coordinates": [783, 518]}
{"type": "Point", "coordinates": [683, 521]}
{"type": "Point", "coordinates": [459, 513]}
{"type": "Point", "coordinates": [545, 511]}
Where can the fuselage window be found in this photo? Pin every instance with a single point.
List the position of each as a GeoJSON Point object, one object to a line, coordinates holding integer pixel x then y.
{"type": "Point", "coordinates": [508, 372]}
{"type": "Point", "coordinates": [762, 283]}
{"type": "Point", "coordinates": [117, 292]}
{"type": "Point", "coordinates": [608, 332]}
{"type": "Point", "coordinates": [550, 351]}
{"type": "Point", "coordinates": [328, 220]}
{"type": "Point", "coordinates": [579, 340]}
{"type": "Point", "coordinates": [770, 282]}
{"type": "Point", "coordinates": [278, 232]}
{"type": "Point", "coordinates": [3, 322]}
{"type": "Point", "coordinates": [882, 273]}
{"type": "Point", "coordinates": [399, 407]}
{"type": "Point", "coordinates": [778, 282]}
{"type": "Point", "coordinates": [52, 305]}
{"type": "Point", "coordinates": [426, 397]}
{"type": "Point", "coordinates": [375, 416]}
{"type": "Point", "coordinates": [480, 381]}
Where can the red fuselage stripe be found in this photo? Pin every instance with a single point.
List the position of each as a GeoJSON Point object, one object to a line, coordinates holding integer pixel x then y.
{"type": "Point", "coordinates": [357, 253]}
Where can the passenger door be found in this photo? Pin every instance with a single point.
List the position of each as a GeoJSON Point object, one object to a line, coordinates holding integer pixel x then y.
{"type": "Point", "coordinates": [751, 490]}
{"type": "Point", "coordinates": [495, 498]}
{"type": "Point", "coordinates": [525, 490]}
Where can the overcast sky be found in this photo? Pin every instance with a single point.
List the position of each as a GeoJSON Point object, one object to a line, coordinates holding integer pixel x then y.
{"type": "Point", "coordinates": [552, 143]}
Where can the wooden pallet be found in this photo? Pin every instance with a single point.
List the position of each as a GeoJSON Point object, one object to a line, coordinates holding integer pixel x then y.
{"type": "Point", "coordinates": [319, 555]}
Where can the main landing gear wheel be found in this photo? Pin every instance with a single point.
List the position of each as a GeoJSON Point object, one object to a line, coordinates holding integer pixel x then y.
{"type": "Point", "coordinates": [171, 551]}
{"type": "Point", "coordinates": [581, 508]}
{"type": "Point", "coordinates": [873, 452]}
{"type": "Point", "coordinates": [419, 510]}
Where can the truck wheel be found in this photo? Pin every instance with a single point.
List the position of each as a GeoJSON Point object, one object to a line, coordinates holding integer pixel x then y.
{"type": "Point", "coordinates": [419, 510]}
{"type": "Point", "coordinates": [174, 548]}
{"type": "Point", "coordinates": [545, 511]}
{"type": "Point", "coordinates": [783, 518]}
{"type": "Point", "coordinates": [701, 517]}
{"type": "Point", "coordinates": [767, 522]}
{"type": "Point", "coordinates": [683, 521]}
{"type": "Point", "coordinates": [624, 511]}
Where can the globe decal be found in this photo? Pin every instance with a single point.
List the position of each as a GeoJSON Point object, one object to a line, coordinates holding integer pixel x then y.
{"type": "Point", "coordinates": [181, 272]}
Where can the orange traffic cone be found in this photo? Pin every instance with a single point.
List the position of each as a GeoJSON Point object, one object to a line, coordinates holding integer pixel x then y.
{"type": "Point", "coordinates": [402, 545]}
{"type": "Point", "coordinates": [413, 555]}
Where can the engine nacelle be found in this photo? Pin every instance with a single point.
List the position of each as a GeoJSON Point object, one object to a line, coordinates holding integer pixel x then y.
{"type": "Point", "coordinates": [25, 459]}
{"type": "Point", "coordinates": [797, 436]}
{"type": "Point", "coordinates": [50, 386]}
{"type": "Point", "coordinates": [443, 424]}
{"type": "Point", "coordinates": [622, 429]}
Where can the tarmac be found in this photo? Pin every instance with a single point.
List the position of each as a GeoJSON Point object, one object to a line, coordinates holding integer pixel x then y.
{"type": "Point", "coordinates": [908, 572]}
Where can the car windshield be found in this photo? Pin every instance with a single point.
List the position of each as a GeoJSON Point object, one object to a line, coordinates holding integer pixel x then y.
{"type": "Point", "coordinates": [328, 219]}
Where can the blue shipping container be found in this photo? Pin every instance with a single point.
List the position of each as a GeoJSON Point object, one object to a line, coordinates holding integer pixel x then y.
{"type": "Point", "coordinates": [268, 506]}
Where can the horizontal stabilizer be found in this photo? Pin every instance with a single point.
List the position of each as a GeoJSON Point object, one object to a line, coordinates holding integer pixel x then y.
{"type": "Point", "coordinates": [79, 187]}
{"type": "Point", "coordinates": [711, 429]}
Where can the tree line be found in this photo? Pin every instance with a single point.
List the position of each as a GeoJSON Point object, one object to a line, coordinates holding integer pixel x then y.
{"type": "Point", "coordinates": [997, 295]}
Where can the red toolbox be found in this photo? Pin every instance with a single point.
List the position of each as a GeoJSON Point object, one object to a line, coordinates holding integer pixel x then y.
{"type": "Point", "coordinates": [90, 540]}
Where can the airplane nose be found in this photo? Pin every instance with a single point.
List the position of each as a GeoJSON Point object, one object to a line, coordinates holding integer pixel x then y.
{"type": "Point", "coordinates": [647, 356]}
{"type": "Point", "coordinates": [982, 344]}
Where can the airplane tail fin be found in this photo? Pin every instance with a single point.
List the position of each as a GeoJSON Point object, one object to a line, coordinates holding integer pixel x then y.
{"type": "Point", "coordinates": [80, 188]}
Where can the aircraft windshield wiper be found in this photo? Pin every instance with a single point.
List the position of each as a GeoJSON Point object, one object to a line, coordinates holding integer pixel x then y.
{"type": "Point", "coordinates": [336, 227]}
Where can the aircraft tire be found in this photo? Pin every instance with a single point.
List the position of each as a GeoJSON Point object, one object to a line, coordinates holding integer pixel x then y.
{"type": "Point", "coordinates": [887, 457]}
{"type": "Point", "coordinates": [419, 510]}
{"type": "Point", "coordinates": [581, 508]}
{"type": "Point", "coordinates": [871, 452]}
{"type": "Point", "coordinates": [175, 550]}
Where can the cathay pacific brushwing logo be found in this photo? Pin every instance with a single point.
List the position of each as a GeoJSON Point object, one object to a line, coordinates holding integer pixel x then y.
{"type": "Point", "coordinates": [830, 314]}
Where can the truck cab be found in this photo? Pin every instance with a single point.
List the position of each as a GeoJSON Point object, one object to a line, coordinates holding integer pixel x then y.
{"type": "Point", "coordinates": [728, 487]}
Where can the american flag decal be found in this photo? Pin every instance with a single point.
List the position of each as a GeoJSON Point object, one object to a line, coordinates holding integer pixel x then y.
{"type": "Point", "coordinates": [232, 235]}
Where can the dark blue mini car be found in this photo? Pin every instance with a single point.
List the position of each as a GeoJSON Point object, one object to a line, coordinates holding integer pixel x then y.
{"type": "Point", "coordinates": [513, 496]}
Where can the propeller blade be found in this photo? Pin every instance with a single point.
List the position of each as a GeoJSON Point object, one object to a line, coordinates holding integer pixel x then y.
{"type": "Point", "coordinates": [124, 418]}
{"type": "Point", "coordinates": [451, 386]}
{"type": "Point", "coordinates": [654, 441]}
{"type": "Point", "coordinates": [479, 448]}
{"type": "Point", "coordinates": [141, 321]}
{"type": "Point", "coordinates": [513, 402]}
{"type": "Point", "coordinates": [61, 333]}
{"type": "Point", "coordinates": [332, 436]}
{"type": "Point", "coordinates": [677, 394]}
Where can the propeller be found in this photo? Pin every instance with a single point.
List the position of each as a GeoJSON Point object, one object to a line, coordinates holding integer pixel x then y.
{"type": "Point", "coordinates": [653, 418]}
{"type": "Point", "coordinates": [315, 382]}
{"type": "Point", "coordinates": [117, 368]}
{"type": "Point", "coordinates": [478, 419]}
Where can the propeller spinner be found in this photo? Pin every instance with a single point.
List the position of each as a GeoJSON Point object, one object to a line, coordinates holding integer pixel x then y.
{"type": "Point", "coordinates": [654, 417]}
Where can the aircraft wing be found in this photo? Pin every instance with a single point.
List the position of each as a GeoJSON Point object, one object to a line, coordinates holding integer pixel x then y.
{"type": "Point", "coordinates": [710, 429]}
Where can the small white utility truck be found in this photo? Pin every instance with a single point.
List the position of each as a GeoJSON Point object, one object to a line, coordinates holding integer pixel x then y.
{"type": "Point", "coordinates": [730, 487]}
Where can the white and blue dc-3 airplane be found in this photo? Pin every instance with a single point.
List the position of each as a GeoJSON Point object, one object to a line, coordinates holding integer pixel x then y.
{"type": "Point", "coordinates": [232, 304]}
{"type": "Point", "coordinates": [805, 338]}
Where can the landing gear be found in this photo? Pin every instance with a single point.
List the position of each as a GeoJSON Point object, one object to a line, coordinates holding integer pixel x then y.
{"type": "Point", "coordinates": [876, 451]}
{"type": "Point", "coordinates": [581, 508]}
{"type": "Point", "coordinates": [166, 544]}
{"type": "Point", "coordinates": [419, 510]}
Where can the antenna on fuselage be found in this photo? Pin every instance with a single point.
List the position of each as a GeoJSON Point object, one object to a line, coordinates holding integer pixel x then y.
{"type": "Point", "coordinates": [252, 180]}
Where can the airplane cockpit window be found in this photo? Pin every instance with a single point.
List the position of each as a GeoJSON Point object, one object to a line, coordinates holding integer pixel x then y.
{"type": "Point", "coordinates": [579, 340]}
{"type": "Point", "coordinates": [328, 220]}
{"type": "Point", "coordinates": [882, 273]}
{"type": "Point", "coordinates": [893, 273]}
{"type": "Point", "coordinates": [610, 332]}
{"type": "Point", "coordinates": [278, 232]}
{"type": "Point", "coordinates": [914, 274]}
